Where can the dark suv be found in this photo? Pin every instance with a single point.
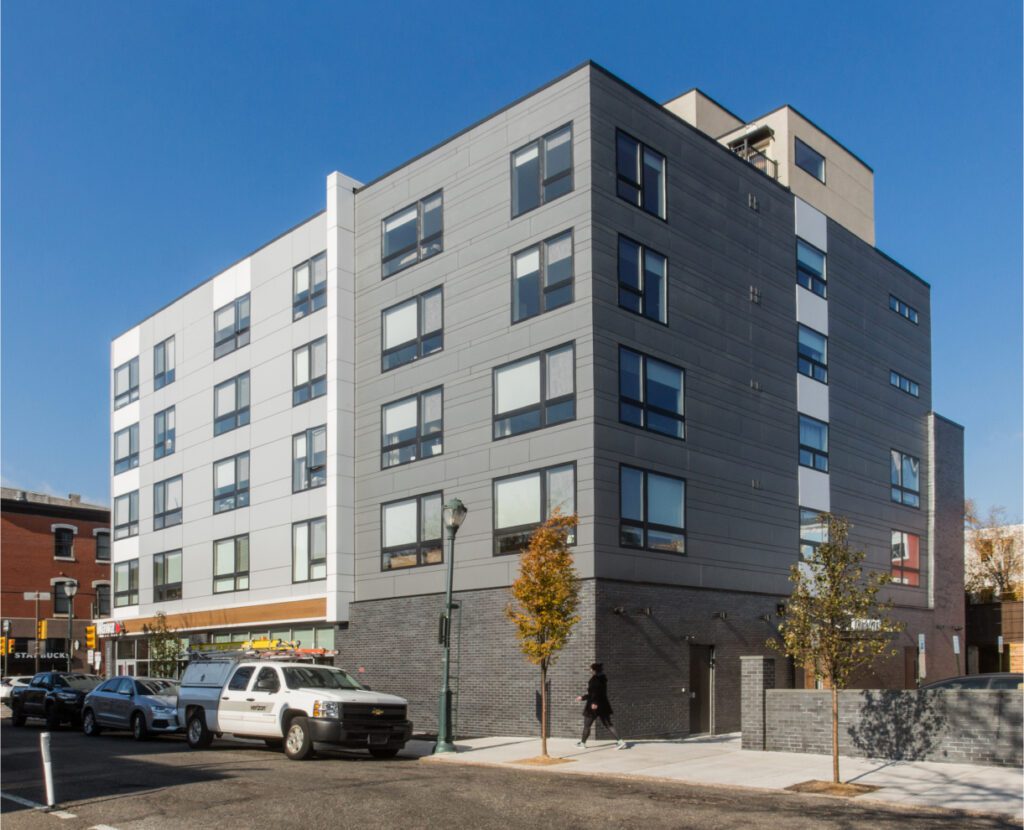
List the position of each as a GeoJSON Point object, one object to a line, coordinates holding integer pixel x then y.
{"type": "Point", "coordinates": [993, 680]}
{"type": "Point", "coordinates": [54, 696]}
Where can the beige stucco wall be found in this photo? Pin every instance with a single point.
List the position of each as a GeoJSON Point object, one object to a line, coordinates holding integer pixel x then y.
{"type": "Point", "coordinates": [695, 108]}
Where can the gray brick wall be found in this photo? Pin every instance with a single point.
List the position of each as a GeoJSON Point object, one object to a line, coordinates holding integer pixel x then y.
{"type": "Point", "coordinates": [756, 675]}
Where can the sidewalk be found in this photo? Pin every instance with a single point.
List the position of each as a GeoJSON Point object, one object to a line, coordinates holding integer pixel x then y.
{"type": "Point", "coordinates": [718, 760]}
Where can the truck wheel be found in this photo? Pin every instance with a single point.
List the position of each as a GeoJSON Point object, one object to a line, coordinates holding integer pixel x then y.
{"type": "Point", "coordinates": [274, 743]}
{"type": "Point", "coordinates": [196, 733]}
{"type": "Point", "coordinates": [89, 725]}
{"type": "Point", "coordinates": [17, 716]}
{"type": "Point", "coordinates": [383, 751]}
{"type": "Point", "coordinates": [52, 718]}
{"type": "Point", "coordinates": [298, 744]}
{"type": "Point", "coordinates": [139, 730]}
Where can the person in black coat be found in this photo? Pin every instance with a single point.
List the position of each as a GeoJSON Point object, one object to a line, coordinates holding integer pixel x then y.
{"type": "Point", "coordinates": [597, 706]}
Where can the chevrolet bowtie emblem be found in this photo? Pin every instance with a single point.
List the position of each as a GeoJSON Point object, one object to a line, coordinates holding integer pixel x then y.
{"type": "Point", "coordinates": [377, 712]}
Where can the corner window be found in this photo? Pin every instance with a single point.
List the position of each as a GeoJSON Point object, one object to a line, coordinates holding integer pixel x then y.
{"type": "Point", "coordinates": [652, 511]}
{"type": "Point", "coordinates": [126, 583]}
{"type": "Point", "coordinates": [167, 503]}
{"type": "Point", "coordinates": [163, 433]}
{"type": "Point", "coordinates": [809, 160]}
{"type": "Point", "coordinates": [126, 383]}
{"type": "Point", "coordinates": [542, 171]}
{"type": "Point", "coordinates": [812, 354]}
{"type": "Point", "coordinates": [904, 310]}
{"type": "Point", "coordinates": [542, 277]}
{"type": "Point", "coordinates": [904, 384]}
{"type": "Point", "coordinates": [309, 550]}
{"type": "Point", "coordinates": [412, 429]}
{"type": "Point", "coordinates": [167, 576]}
{"type": "Point", "coordinates": [231, 404]}
{"type": "Point", "coordinates": [103, 546]}
{"type": "Point", "coordinates": [641, 174]}
{"type": "Point", "coordinates": [906, 558]}
{"type": "Point", "coordinates": [813, 443]}
{"type": "Point", "coordinates": [231, 483]}
{"type": "Point", "coordinates": [309, 459]}
{"type": "Point", "coordinates": [536, 392]}
{"type": "Point", "coordinates": [523, 502]}
{"type": "Point", "coordinates": [810, 268]}
{"type": "Point", "coordinates": [63, 543]}
{"type": "Point", "coordinates": [309, 371]}
{"type": "Point", "coordinates": [411, 532]}
{"type": "Point", "coordinates": [412, 330]}
{"type": "Point", "coordinates": [102, 601]}
{"type": "Point", "coordinates": [643, 281]}
{"type": "Point", "coordinates": [231, 564]}
{"type": "Point", "coordinates": [413, 234]}
{"type": "Point", "coordinates": [905, 478]}
{"type": "Point", "coordinates": [651, 394]}
{"type": "Point", "coordinates": [813, 531]}
{"type": "Point", "coordinates": [231, 327]}
{"type": "Point", "coordinates": [126, 449]}
{"type": "Point", "coordinates": [309, 286]}
{"type": "Point", "coordinates": [163, 363]}
{"type": "Point", "coordinates": [126, 515]}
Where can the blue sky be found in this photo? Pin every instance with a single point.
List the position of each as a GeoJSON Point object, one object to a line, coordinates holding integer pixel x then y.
{"type": "Point", "coordinates": [145, 146]}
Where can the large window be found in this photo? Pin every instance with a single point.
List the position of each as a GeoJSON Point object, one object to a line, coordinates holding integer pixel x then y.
{"type": "Point", "coordinates": [812, 354]}
{"type": "Point", "coordinates": [906, 558]}
{"type": "Point", "coordinates": [523, 502]}
{"type": "Point", "coordinates": [126, 515]}
{"type": "Point", "coordinates": [413, 234]}
{"type": "Point", "coordinates": [63, 543]}
{"type": "Point", "coordinates": [126, 449]}
{"type": "Point", "coordinates": [810, 268]}
{"type": "Point", "coordinates": [652, 511]}
{"type": "Point", "coordinates": [813, 531]}
{"type": "Point", "coordinates": [309, 459]}
{"type": "Point", "coordinates": [904, 310]}
{"type": "Point", "coordinates": [231, 483]}
{"type": "Point", "coordinates": [163, 433]}
{"type": "Point", "coordinates": [536, 392]}
{"type": "Point", "coordinates": [309, 550]}
{"type": "Point", "coordinates": [231, 564]}
{"type": "Point", "coordinates": [643, 280]}
{"type": "Point", "coordinates": [412, 428]}
{"type": "Point", "coordinates": [412, 329]}
{"type": "Point", "coordinates": [651, 393]}
{"type": "Point", "coordinates": [231, 404]}
{"type": "Point", "coordinates": [126, 383]}
{"type": "Point", "coordinates": [309, 286]}
{"type": "Point", "coordinates": [542, 277]}
{"type": "Point", "coordinates": [167, 576]}
{"type": "Point", "coordinates": [905, 478]}
{"type": "Point", "coordinates": [813, 443]}
{"type": "Point", "coordinates": [231, 327]}
{"type": "Point", "coordinates": [61, 602]}
{"type": "Point", "coordinates": [903, 383]}
{"type": "Point", "coordinates": [163, 363]}
{"type": "Point", "coordinates": [167, 503]}
{"type": "Point", "coordinates": [126, 583]}
{"type": "Point", "coordinates": [309, 371]}
{"type": "Point", "coordinates": [103, 546]}
{"type": "Point", "coordinates": [809, 160]}
{"type": "Point", "coordinates": [641, 174]}
{"type": "Point", "coordinates": [542, 170]}
{"type": "Point", "coordinates": [102, 601]}
{"type": "Point", "coordinates": [411, 532]}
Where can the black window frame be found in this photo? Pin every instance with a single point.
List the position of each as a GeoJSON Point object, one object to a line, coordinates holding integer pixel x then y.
{"type": "Point", "coordinates": [641, 293]}
{"type": "Point", "coordinates": [424, 344]}
{"type": "Point", "coordinates": [164, 591]}
{"type": "Point", "coordinates": [426, 247]}
{"type": "Point", "coordinates": [545, 407]}
{"type": "Point", "coordinates": [906, 311]}
{"type": "Point", "coordinates": [421, 439]}
{"type": "Point", "coordinates": [238, 573]}
{"type": "Point", "coordinates": [817, 284]}
{"type": "Point", "coordinates": [797, 144]}
{"type": "Point", "coordinates": [131, 461]}
{"type": "Point", "coordinates": [314, 387]}
{"type": "Point", "coordinates": [645, 526]}
{"type": "Point", "coordinates": [237, 417]}
{"type": "Point", "coordinates": [132, 393]}
{"type": "Point", "coordinates": [639, 184]}
{"type": "Point", "coordinates": [898, 492]}
{"type": "Point", "coordinates": [162, 517]}
{"type": "Point", "coordinates": [645, 407]}
{"type": "Point", "coordinates": [808, 365]}
{"type": "Point", "coordinates": [132, 524]}
{"type": "Point", "coordinates": [313, 298]}
{"type": "Point", "coordinates": [101, 547]}
{"type": "Point", "coordinates": [545, 291]}
{"type": "Point", "coordinates": [241, 331]}
{"type": "Point", "coordinates": [898, 573]}
{"type": "Point", "coordinates": [422, 547]}
{"type": "Point", "coordinates": [63, 540]}
{"type": "Point", "coordinates": [162, 436]}
{"type": "Point", "coordinates": [164, 377]}
{"type": "Point", "coordinates": [815, 454]}
{"type": "Point", "coordinates": [238, 496]}
{"type": "Point", "coordinates": [543, 180]}
{"type": "Point", "coordinates": [104, 599]}
{"type": "Point", "coordinates": [313, 475]}
{"type": "Point", "coordinates": [904, 384]}
{"type": "Point", "coordinates": [129, 595]}
{"type": "Point", "coordinates": [499, 534]}
{"type": "Point", "coordinates": [310, 560]}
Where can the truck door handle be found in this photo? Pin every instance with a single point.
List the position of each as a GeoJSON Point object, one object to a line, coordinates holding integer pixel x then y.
{"type": "Point", "coordinates": [250, 699]}
{"type": "Point", "coordinates": [225, 698]}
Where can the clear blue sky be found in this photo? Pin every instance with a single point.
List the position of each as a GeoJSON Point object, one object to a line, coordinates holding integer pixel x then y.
{"type": "Point", "coordinates": [145, 146]}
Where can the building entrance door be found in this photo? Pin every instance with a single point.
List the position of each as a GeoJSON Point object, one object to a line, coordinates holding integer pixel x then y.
{"type": "Point", "coordinates": [126, 667]}
{"type": "Point", "coordinates": [702, 689]}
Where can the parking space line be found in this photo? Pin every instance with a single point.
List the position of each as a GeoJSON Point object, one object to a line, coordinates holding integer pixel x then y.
{"type": "Point", "coordinates": [24, 802]}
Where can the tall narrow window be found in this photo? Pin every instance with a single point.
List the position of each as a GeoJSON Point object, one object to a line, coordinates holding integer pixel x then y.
{"type": "Point", "coordinates": [413, 234]}
{"type": "Point", "coordinates": [809, 160]}
{"type": "Point", "coordinates": [522, 502]}
{"type": "Point", "coordinates": [813, 531]}
{"type": "Point", "coordinates": [651, 393]}
{"type": "Point", "coordinates": [167, 576]}
{"type": "Point", "coordinates": [231, 483]}
{"type": "Point", "coordinates": [810, 268]}
{"type": "Point", "coordinates": [61, 603]}
{"type": "Point", "coordinates": [536, 392]}
{"type": "Point", "coordinates": [231, 327]}
{"type": "Point", "coordinates": [904, 310]}
{"type": "Point", "coordinates": [411, 532]}
{"type": "Point", "coordinates": [63, 543]}
{"type": "Point", "coordinates": [904, 384]}
{"type": "Point", "coordinates": [652, 511]}
{"type": "Point", "coordinates": [542, 277]}
{"type": "Point", "coordinates": [813, 443]}
{"type": "Point", "coordinates": [126, 449]}
{"type": "Point", "coordinates": [163, 433]}
{"type": "Point", "coordinates": [231, 564]}
{"type": "Point", "coordinates": [126, 515]}
{"type": "Point", "coordinates": [642, 280]}
{"type": "Point", "coordinates": [231, 404]}
{"type": "Point", "coordinates": [542, 170]}
{"type": "Point", "coordinates": [309, 550]}
{"type": "Point", "coordinates": [309, 371]}
{"type": "Point", "coordinates": [309, 286]}
{"type": "Point", "coordinates": [309, 459]}
{"type": "Point", "coordinates": [163, 363]}
{"type": "Point", "coordinates": [167, 503]}
{"type": "Point", "coordinates": [905, 477]}
{"type": "Point", "coordinates": [126, 583]}
{"type": "Point", "coordinates": [412, 329]}
{"type": "Point", "coordinates": [412, 428]}
{"type": "Point", "coordinates": [126, 383]}
{"type": "Point", "coordinates": [102, 601]}
{"type": "Point", "coordinates": [906, 558]}
{"type": "Point", "coordinates": [103, 546]}
{"type": "Point", "coordinates": [641, 174]}
{"type": "Point", "coordinates": [812, 354]}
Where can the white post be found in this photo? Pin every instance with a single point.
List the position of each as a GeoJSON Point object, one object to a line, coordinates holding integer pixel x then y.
{"type": "Point", "coordinates": [44, 745]}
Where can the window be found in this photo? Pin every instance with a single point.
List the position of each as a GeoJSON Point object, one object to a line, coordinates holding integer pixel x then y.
{"type": "Point", "coordinates": [904, 310]}
{"type": "Point", "coordinates": [167, 576]}
{"type": "Point", "coordinates": [231, 564]}
{"type": "Point", "coordinates": [641, 174]}
{"type": "Point", "coordinates": [542, 277]}
{"type": "Point", "coordinates": [905, 477]}
{"type": "Point", "coordinates": [61, 603]}
{"type": "Point", "coordinates": [412, 329]}
{"type": "Point", "coordinates": [309, 459]}
{"type": "Point", "coordinates": [309, 286]}
{"type": "Point", "coordinates": [102, 601]}
{"type": "Point", "coordinates": [309, 371]}
{"type": "Point", "coordinates": [231, 327]}
{"type": "Point", "coordinates": [267, 681]}
{"type": "Point", "coordinates": [904, 384]}
{"type": "Point", "coordinates": [651, 394]}
{"type": "Point", "coordinates": [810, 268]}
{"type": "Point", "coordinates": [411, 532]}
{"type": "Point", "coordinates": [163, 363]}
{"type": "Point", "coordinates": [231, 404]}
{"type": "Point", "coordinates": [231, 483]}
{"type": "Point", "coordinates": [412, 428]}
{"type": "Point", "coordinates": [63, 543]}
{"type": "Point", "coordinates": [126, 583]}
{"type": "Point", "coordinates": [643, 280]}
{"type": "Point", "coordinates": [906, 558]}
{"type": "Point", "coordinates": [813, 443]}
{"type": "Point", "coordinates": [413, 234]}
{"type": "Point", "coordinates": [809, 160]}
{"type": "Point", "coordinates": [126, 449]}
{"type": "Point", "coordinates": [240, 679]}
{"type": "Point", "coordinates": [126, 515]}
{"type": "Point", "coordinates": [167, 503]}
{"type": "Point", "coordinates": [652, 511]}
{"type": "Point", "coordinates": [542, 170]}
{"type": "Point", "coordinates": [522, 502]}
{"type": "Point", "coordinates": [813, 531]}
{"type": "Point", "coordinates": [536, 392]}
{"type": "Point", "coordinates": [126, 383]}
{"type": "Point", "coordinates": [812, 354]}
{"type": "Point", "coordinates": [309, 550]}
{"type": "Point", "coordinates": [103, 546]}
{"type": "Point", "coordinates": [163, 433]}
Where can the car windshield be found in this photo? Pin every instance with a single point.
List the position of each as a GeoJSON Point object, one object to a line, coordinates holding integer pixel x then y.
{"type": "Point", "coordinates": [318, 677]}
{"type": "Point", "coordinates": [84, 682]}
{"type": "Point", "coordinates": [156, 686]}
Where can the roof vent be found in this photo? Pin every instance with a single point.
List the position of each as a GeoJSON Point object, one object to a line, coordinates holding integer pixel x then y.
{"type": "Point", "coordinates": [75, 498]}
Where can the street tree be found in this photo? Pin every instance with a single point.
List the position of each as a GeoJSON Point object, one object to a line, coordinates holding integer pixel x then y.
{"type": "Point", "coordinates": [164, 647]}
{"type": "Point", "coordinates": [546, 595]}
{"type": "Point", "coordinates": [834, 623]}
{"type": "Point", "coordinates": [994, 565]}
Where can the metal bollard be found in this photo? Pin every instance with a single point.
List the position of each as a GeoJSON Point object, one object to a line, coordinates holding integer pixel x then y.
{"type": "Point", "coordinates": [44, 746]}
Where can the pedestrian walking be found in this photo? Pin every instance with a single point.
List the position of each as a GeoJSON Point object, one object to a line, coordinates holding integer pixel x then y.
{"type": "Point", "coordinates": [597, 706]}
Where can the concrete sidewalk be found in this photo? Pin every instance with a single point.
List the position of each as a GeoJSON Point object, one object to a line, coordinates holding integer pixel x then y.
{"type": "Point", "coordinates": [718, 760]}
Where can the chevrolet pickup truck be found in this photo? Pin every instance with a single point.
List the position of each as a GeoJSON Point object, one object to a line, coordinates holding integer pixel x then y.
{"type": "Point", "coordinates": [54, 696]}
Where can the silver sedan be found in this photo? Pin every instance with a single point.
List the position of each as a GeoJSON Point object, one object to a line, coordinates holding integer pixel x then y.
{"type": "Point", "coordinates": [144, 705]}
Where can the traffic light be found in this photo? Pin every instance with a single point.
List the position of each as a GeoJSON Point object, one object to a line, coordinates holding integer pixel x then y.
{"type": "Point", "coordinates": [41, 630]}
{"type": "Point", "coordinates": [90, 636]}
{"type": "Point", "coordinates": [3, 645]}
{"type": "Point", "coordinates": [10, 645]}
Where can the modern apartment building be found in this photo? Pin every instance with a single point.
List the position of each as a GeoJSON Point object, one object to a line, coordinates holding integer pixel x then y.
{"type": "Point", "coordinates": [663, 318]}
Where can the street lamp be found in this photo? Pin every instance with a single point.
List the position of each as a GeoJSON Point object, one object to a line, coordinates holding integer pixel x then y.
{"type": "Point", "coordinates": [70, 589]}
{"type": "Point", "coordinates": [453, 514]}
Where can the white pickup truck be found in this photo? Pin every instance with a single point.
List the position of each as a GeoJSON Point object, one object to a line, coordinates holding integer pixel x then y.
{"type": "Point", "coordinates": [291, 703]}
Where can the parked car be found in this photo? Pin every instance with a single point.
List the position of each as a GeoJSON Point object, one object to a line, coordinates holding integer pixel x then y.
{"type": "Point", "coordinates": [993, 680]}
{"type": "Point", "coordinates": [145, 705]}
{"type": "Point", "coordinates": [7, 684]}
{"type": "Point", "coordinates": [54, 696]}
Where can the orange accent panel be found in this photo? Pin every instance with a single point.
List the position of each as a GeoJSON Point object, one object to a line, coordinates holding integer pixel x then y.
{"type": "Point", "coordinates": [303, 609]}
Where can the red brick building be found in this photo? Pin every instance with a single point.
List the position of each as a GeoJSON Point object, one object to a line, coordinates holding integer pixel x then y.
{"type": "Point", "coordinates": [47, 541]}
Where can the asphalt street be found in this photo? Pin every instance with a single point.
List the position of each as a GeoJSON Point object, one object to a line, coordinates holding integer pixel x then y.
{"type": "Point", "coordinates": [114, 782]}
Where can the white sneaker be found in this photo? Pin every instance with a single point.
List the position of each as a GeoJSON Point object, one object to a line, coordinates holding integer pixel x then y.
{"type": "Point", "coordinates": [620, 744]}
{"type": "Point", "coordinates": [581, 743]}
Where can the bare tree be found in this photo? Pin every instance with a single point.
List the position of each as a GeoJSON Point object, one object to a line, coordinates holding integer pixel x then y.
{"type": "Point", "coordinates": [994, 564]}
